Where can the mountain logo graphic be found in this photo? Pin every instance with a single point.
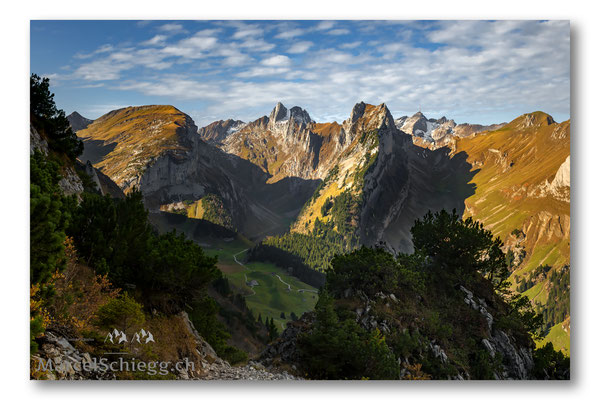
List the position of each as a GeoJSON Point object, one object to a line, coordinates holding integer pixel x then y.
{"type": "Point", "coordinates": [143, 336]}
{"type": "Point", "coordinates": [118, 337]}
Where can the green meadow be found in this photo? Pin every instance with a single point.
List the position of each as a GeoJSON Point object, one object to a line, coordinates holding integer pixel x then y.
{"type": "Point", "coordinates": [276, 291]}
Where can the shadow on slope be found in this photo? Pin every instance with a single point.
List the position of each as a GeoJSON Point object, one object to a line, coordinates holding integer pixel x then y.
{"type": "Point", "coordinates": [436, 180]}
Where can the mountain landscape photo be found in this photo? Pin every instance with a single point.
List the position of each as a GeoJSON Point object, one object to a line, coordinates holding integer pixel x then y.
{"type": "Point", "coordinates": [300, 200]}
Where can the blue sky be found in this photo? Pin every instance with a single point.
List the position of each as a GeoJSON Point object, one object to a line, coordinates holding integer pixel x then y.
{"type": "Point", "coordinates": [471, 71]}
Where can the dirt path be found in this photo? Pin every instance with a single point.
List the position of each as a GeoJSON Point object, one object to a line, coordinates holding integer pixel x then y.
{"type": "Point", "coordinates": [285, 283]}
{"type": "Point", "coordinates": [245, 277]}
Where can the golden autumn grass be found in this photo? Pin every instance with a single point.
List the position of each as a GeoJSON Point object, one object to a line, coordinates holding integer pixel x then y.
{"type": "Point", "coordinates": [140, 134]}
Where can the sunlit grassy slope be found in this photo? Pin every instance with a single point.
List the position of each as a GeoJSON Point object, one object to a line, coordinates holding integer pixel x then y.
{"type": "Point", "coordinates": [560, 338]}
{"type": "Point", "coordinates": [512, 163]}
{"type": "Point", "coordinates": [140, 134]}
{"type": "Point", "coordinates": [515, 166]}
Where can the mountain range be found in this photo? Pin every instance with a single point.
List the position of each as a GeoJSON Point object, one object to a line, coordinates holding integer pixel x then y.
{"type": "Point", "coordinates": [367, 178]}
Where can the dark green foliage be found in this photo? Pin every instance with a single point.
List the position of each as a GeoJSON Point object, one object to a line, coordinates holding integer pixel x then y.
{"type": "Point", "coordinates": [122, 313]}
{"type": "Point", "coordinates": [50, 120]}
{"type": "Point", "coordinates": [204, 317]}
{"type": "Point", "coordinates": [557, 307]}
{"type": "Point", "coordinates": [221, 285]}
{"type": "Point", "coordinates": [537, 275]}
{"type": "Point", "coordinates": [36, 328]}
{"type": "Point", "coordinates": [482, 365]}
{"type": "Point", "coordinates": [115, 238]}
{"type": "Point", "coordinates": [315, 250]}
{"type": "Point", "coordinates": [326, 206]}
{"type": "Point", "coordinates": [365, 269]}
{"type": "Point", "coordinates": [340, 349]}
{"type": "Point", "coordinates": [271, 328]}
{"type": "Point", "coordinates": [344, 207]}
{"type": "Point", "coordinates": [282, 316]}
{"type": "Point", "coordinates": [372, 271]}
{"type": "Point", "coordinates": [551, 364]}
{"type": "Point", "coordinates": [327, 239]}
{"type": "Point", "coordinates": [293, 316]}
{"type": "Point", "coordinates": [216, 212]}
{"type": "Point", "coordinates": [50, 213]}
{"type": "Point", "coordinates": [461, 246]}
{"type": "Point", "coordinates": [338, 236]}
{"type": "Point", "coordinates": [521, 315]}
{"type": "Point", "coordinates": [427, 308]}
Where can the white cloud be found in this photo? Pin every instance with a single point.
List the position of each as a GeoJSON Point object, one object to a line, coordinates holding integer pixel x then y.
{"type": "Point", "coordinates": [193, 46]}
{"type": "Point", "coordinates": [277, 61]}
{"type": "Point", "coordinates": [102, 49]}
{"type": "Point", "coordinates": [156, 40]}
{"type": "Point", "coordinates": [245, 31]}
{"type": "Point", "coordinates": [263, 71]}
{"type": "Point", "coordinates": [300, 47]}
{"type": "Point", "coordinates": [290, 33]}
{"type": "Point", "coordinates": [350, 45]}
{"type": "Point", "coordinates": [324, 25]}
{"type": "Point", "coordinates": [171, 28]}
{"type": "Point", "coordinates": [340, 31]}
{"type": "Point", "coordinates": [257, 45]}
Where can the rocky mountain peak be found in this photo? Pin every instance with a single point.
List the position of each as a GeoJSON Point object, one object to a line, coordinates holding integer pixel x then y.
{"type": "Point", "coordinates": [279, 113]}
{"type": "Point", "coordinates": [78, 122]}
{"type": "Point", "coordinates": [218, 131]}
{"type": "Point", "coordinates": [282, 114]}
{"type": "Point", "coordinates": [357, 111]}
{"type": "Point", "coordinates": [532, 120]}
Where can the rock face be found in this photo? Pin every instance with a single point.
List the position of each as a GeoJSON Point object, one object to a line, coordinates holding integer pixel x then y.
{"type": "Point", "coordinates": [285, 144]}
{"type": "Point", "coordinates": [135, 137]}
{"type": "Point", "coordinates": [78, 122]}
{"type": "Point", "coordinates": [563, 175]}
{"type": "Point", "coordinates": [284, 349]}
{"type": "Point", "coordinates": [218, 131]}
{"type": "Point", "coordinates": [395, 180]}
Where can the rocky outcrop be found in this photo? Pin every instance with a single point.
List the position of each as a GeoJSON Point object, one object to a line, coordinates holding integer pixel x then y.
{"type": "Point", "coordinates": [36, 142]}
{"type": "Point", "coordinates": [563, 176]}
{"type": "Point", "coordinates": [517, 360]}
{"type": "Point", "coordinates": [91, 171]}
{"type": "Point", "coordinates": [70, 182]}
{"type": "Point", "coordinates": [218, 131]}
{"type": "Point", "coordinates": [57, 359]}
{"type": "Point", "coordinates": [215, 368]}
{"type": "Point", "coordinates": [284, 349]}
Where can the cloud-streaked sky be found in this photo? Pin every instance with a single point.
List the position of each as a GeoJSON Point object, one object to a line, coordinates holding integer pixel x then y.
{"type": "Point", "coordinates": [471, 71]}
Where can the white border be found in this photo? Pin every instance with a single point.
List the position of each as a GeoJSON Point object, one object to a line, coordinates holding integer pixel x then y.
{"type": "Point", "coordinates": [14, 168]}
